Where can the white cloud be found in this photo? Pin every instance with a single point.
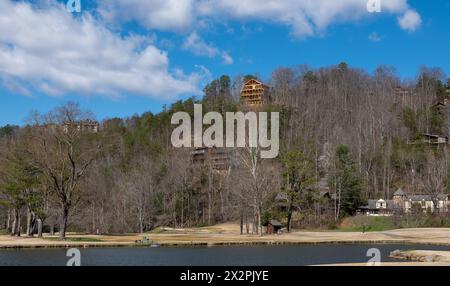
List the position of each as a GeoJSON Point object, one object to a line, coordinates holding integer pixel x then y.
{"type": "Point", "coordinates": [199, 47]}
{"type": "Point", "coordinates": [153, 14]}
{"type": "Point", "coordinates": [410, 21]}
{"type": "Point", "coordinates": [227, 59]}
{"type": "Point", "coordinates": [375, 37]}
{"type": "Point", "coordinates": [48, 50]}
{"type": "Point", "coordinates": [304, 17]}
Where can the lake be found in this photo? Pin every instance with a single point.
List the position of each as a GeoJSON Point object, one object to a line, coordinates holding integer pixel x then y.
{"type": "Point", "coordinates": [280, 255]}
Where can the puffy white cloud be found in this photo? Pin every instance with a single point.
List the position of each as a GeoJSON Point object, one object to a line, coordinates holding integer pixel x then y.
{"type": "Point", "coordinates": [48, 50]}
{"type": "Point", "coordinates": [199, 47]}
{"type": "Point", "coordinates": [410, 21]}
{"type": "Point", "coordinates": [304, 17]}
{"type": "Point", "coordinates": [153, 14]}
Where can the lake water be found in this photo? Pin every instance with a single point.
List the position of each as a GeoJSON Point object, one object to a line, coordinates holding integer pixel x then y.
{"type": "Point", "coordinates": [292, 255]}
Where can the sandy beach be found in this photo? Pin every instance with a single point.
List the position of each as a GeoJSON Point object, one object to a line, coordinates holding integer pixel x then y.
{"type": "Point", "coordinates": [228, 234]}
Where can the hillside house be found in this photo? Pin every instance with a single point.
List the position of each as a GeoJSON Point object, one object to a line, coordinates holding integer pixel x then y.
{"type": "Point", "coordinates": [442, 107]}
{"type": "Point", "coordinates": [82, 126]}
{"type": "Point", "coordinates": [217, 158]}
{"type": "Point", "coordinates": [405, 203]}
{"type": "Point", "coordinates": [434, 139]}
{"type": "Point", "coordinates": [254, 93]}
{"type": "Point", "coordinates": [379, 207]}
{"type": "Point", "coordinates": [430, 139]}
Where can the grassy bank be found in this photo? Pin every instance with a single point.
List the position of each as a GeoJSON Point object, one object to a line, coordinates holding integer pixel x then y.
{"type": "Point", "coordinates": [370, 224]}
{"type": "Point", "coordinates": [366, 224]}
{"type": "Point", "coordinates": [75, 239]}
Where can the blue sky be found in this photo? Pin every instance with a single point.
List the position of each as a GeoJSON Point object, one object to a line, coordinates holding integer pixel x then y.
{"type": "Point", "coordinates": [119, 58]}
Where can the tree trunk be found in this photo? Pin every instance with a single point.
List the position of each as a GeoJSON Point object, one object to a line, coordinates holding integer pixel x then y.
{"type": "Point", "coordinates": [8, 221]}
{"type": "Point", "coordinates": [242, 223]}
{"type": "Point", "coordinates": [14, 223]}
{"type": "Point", "coordinates": [63, 224]}
{"type": "Point", "coordinates": [93, 218]}
{"type": "Point", "coordinates": [290, 210]}
{"type": "Point", "coordinates": [141, 219]}
{"type": "Point", "coordinates": [222, 208]}
{"type": "Point", "coordinates": [259, 222]}
{"type": "Point", "coordinates": [289, 218]}
{"type": "Point", "coordinates": [335, 199]}
{"type": "Point", "coordinates": [19, 226]}
{"type": "Point", "coordinates": [256, 221]}
{"type": "Point", "coordinates": [182, 209]}
{"type": "Point", "coordinates": [210, 198]}
{"type": "Point", "coordinates": [39, 227]}
{"type": "Point", "coordinates": [29, 223]}
{"type": "Point", "coordinates": [339, 204]}
{"type": "Point", "coordinates": [247, 227]}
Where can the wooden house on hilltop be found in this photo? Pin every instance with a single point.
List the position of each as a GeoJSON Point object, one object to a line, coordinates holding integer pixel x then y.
{"type": "Point", "coordinates": [254, 93]}
{"type": "Point", "coordinates": [441, 107]}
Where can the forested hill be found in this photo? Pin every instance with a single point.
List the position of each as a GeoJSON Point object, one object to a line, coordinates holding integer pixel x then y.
{"type": "Point", "coordinates": [359, 136]}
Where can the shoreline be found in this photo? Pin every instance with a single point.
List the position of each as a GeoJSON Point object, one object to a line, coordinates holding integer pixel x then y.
{"type": "Point", "coordinates": [65, 244]}
{"type": "Point", "coordinates": [228, 235]}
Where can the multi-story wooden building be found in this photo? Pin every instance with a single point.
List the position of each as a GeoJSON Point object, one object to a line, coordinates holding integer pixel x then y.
{"type": "Point", "coordinates": [254, 93]}
{"type": "Point", "coordinates": [217, 158]}
{"type": "Point", "coordinates": [82, 126]}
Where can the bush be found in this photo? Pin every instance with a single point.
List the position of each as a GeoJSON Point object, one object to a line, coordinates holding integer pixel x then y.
{"type": "Point", "coordinates": [332, 225]}
{"type": "Point", "coordinates": [265, 218]}
{"type": "Point", "coordinates": [202, 224]}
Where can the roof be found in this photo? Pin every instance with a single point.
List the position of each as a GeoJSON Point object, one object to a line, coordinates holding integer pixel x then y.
{"type": "Point", "coordinates": [399, 192]}
{"type": "Point", "coordinates": [419, 198]}
{"type": "Point", "coordinates": [281, 197]}
{"type": "Point", "coordinates": [256, 82]}
{"type": "Point", "coordinates": [443, 196]}
{"type": "Point", "coordinates": [442, 102]}
{"type": "Point", "coordinates": [433, 135]}
{"type": "Point", "coordinates": [274, 222]}
{"type": "Point", "coordinates": [87, 122]}
{"type": "Point", "coordinates": [372, 205]}
{"type": "Point", "coordinates": [324, 193]}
